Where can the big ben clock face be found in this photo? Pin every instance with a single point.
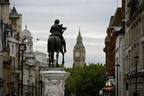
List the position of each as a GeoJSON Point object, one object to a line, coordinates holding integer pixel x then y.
{"type": "Point", "coordinates": [77, 54]}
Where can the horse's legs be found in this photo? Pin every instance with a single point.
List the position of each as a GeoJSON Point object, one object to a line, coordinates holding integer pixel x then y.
{"type": "Point", "coordinates": [52, 58]}
{"type": "Point", "coordinates": [49, 58]}
{"type": "Point", "coordinates": [57, 56]}
{"type": "Point", "coordinates": [62, 58]}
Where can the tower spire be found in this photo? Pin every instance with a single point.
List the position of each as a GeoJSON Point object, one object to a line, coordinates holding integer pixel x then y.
{"type": "Point", "coordinates": [79, 35]}
{"type": "Point", "coordinates": [14, 13]}
{"type": "Point", "coordinates": [79, 51]}
{"type": "Point", "coordinates": [79, 42]}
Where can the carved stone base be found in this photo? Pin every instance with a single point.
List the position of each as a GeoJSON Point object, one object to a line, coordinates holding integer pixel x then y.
{"type": "Point", "coordinates": [54, 81]}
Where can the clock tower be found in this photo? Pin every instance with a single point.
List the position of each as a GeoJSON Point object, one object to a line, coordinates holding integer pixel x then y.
{"type": "Point", "coordinates": [79, 52]}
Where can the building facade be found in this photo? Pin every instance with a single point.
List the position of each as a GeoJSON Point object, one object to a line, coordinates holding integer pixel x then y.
{"type": "Point", "coordinates": [4, 18]}
{"type": "Point", "coordinates": [41, 65]}
{"type": "Point", "coordinates": [1, 63]}
{"type": "Point", "coordinates": [119, 59]}
{"type": "Point", "coordinates": [29, 66]}
{"type": "Point", "coordinates": [120, 74]}
{"type": "Point", "coordinates": [112, 51]}
{"type": "Point", "coordinates": [110, 43]}
{"type": "Point", "coordinates": [135, 47]}
{"type": "Point", "coordinates": [20, 71]}
{"type": "Point", "coordinates": [79, 53]}
{"type": "Point", "coordinates": [8, 50]}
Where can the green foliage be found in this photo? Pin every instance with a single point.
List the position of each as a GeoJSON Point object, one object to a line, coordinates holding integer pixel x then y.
{"type": "Point", "coordinates": [85, 81]}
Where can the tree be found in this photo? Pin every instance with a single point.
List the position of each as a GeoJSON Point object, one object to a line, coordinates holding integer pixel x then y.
{"type": "Point", "coordinates": [86, 80]}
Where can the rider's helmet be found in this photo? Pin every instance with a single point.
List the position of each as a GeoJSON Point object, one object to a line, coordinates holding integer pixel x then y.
{"type": "Point", "coordinates": [57, 21]}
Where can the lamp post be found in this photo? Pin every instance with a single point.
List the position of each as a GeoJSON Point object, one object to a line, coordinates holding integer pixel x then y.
{"type": "Point", "coordinates": [40, 81]}
{"type": "Point", "coordinates": [22, 48]}
{"type": "Point", "coordinates": [135, 93]}
{"type": "Point", "coordinates": [117, 78]}
{"type": "Point", "coordinates": [37, 39]}
{"type": "Point", "coordinates": [18, 92]}
{"type": "Point", "coordinates": [28, 86]}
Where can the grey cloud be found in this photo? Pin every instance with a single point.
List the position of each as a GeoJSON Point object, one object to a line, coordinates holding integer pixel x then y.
{"type": "Point", "coordinates": [92, 16]}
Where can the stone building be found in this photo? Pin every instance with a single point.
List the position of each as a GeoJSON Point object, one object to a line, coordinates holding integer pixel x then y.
{"type": "Point", "coordinates": [109, 50]}
{"type": "Point", "coordinates": [1, 63]}
{"type": "Point", "coordinates": [15, 20]}
{"type": "Point", "coordinates": [29, 66]}
{"type": "Point", "coordinates": [110, 42]}
{"type": "Point", "coordinates": [8, 51]}
{"type": "Point", "coordinates": [79, 53]}
{"type": "Point", "coordinates": [120, 81]}
{"type": "Point", "coordinates": [4, 10]}
{"type": "Point", "coordinates": [4, 18]}
{"type": "Point", "coordinates": [113, 30]}
{"type": "Point", "coordinates": [120, 61]}
{"type": "Point", "coordinates": [134, 35]}
{"type": "Point", "coordinates": [41, 65]}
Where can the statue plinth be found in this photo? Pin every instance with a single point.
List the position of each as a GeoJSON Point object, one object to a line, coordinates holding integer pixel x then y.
{"type": "Point", "coordinates": [54, 81]}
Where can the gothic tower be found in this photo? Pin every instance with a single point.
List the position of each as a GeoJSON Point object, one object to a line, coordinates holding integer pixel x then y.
{"type": "Point", "coordinates": [4, 10]}
{"type": "Point", "coordinates": [79, 52]}
{"type": "Point", "coordinates": [15, 20]}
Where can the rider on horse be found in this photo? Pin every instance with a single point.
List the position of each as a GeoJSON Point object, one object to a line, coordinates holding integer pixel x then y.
{"type": "Point", "coordinates": [57, 30]}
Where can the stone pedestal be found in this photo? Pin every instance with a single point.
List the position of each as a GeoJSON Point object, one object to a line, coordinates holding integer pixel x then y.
{"type": "Point", "coordinates": [54, 81]}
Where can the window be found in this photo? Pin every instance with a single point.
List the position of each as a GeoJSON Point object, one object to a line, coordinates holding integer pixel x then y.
{"type": "Point", "coordinates": [143, 25]}
{"type": "Point", "coordinates": [143, 54]}
{"type": "Point", "coordinates": [83, 54]}
{"type": "Point", "coordinates": [12, 49]}
{"type": "Point", "coordinates": [30, 47]}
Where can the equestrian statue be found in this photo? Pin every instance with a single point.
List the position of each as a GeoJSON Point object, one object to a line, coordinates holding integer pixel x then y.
{"type": "Point", "coordinates": [56, 43]}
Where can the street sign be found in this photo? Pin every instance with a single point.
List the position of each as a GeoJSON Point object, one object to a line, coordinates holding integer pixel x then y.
{"type": "Point", "coordinates": [22, 47]}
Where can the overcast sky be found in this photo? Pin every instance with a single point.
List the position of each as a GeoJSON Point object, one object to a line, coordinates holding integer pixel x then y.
{"type": "Point", "coordinates": [92, 16]}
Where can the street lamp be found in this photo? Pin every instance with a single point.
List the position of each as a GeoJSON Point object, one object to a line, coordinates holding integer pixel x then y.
{"type": "Point", "coordinates": [135, 93]}
{"type": "Point", "coordinates": [22, 48]}
{"type": "Point", "coordinates": [100, 92]}
{"type": "Point", "coordinates": [117, 77]}
{"type": "Point", "coordinates": [37, 39]}
{"type": "Point", "coordinates": [28, 86]}
{"type": "Point", "coordinates": [40, 81]}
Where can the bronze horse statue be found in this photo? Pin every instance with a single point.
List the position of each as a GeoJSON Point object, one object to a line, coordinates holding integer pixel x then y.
{"type": "Point", "coordinates": [55, 45]}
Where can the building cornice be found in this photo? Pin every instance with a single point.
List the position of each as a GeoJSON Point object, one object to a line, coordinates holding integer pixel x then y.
{"type": "Point", "coordinates": [136, 15]}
